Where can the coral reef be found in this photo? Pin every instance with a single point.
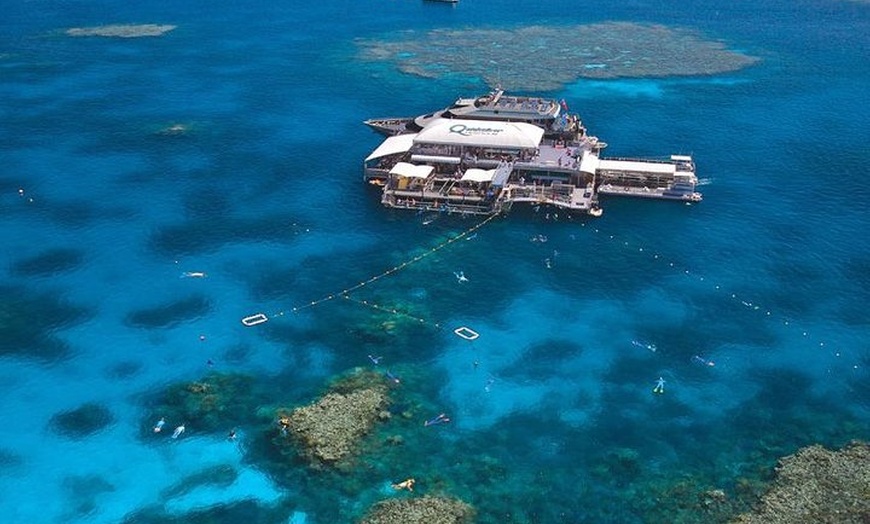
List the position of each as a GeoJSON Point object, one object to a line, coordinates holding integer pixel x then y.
{"type": "Point", "coordinates": [818, 485]}
{"type": "Point", "coordinates": [247, 511]}
{"type": "Point", "coordinates": [171, 313]}
{"type": "Point", "coordinates": [330, 428]}
{"type": "Point", "coordinates": [85, 420]}
{"type": "Point", "coordinates": [219, 476]}
{"type": "Point", "coordinates": [121, 30]}
{"type": "Point", "coordinates": [29, 323]}
{"type": "Point", "coordinates": [428, 510]}
{"type": "Point", "coordinates": [48, 263]}
{"type": "Point", "coordinates": [217, 402]}
{"type": "Point", "coordinates": [541, 58]}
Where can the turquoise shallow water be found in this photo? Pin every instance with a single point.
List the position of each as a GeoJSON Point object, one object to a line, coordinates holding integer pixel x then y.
{"type": "Point", "coordinates": [556, 422]}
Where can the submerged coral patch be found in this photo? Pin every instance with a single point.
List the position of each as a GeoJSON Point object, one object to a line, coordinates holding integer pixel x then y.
{"type": "Point", "coordinates": [540, 58]}
{"type": "Point", "coordinates": [50, 262]}
{"type": "Point", "coordinates": [28, 322]}
{"type": "Point", "coordinates": [217, 402]}
{"type": "Point", "coordinates": [122, 30]}
{"type": "Point", "coordinates": [428, 510]}
{"type": "Point", "coordinates": [219, 476]}
{"type": "Point", "coordinates": [82, 421]}
{"type": "Point", "coordinates": [83, 492]}
{"type": "Point", "coordinates": [171, 313]}
{"type": "Point", "coordinates": [818, 485]}
{"type": "Point", "coordinates": [200, 235]}
{"type": "Point", "coordinates": [330, 429]}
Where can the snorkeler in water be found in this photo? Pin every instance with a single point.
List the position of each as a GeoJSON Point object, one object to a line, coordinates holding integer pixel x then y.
{"type": "Point", "coordinates": [178, 431]}
{"type": "Point", "coordinates": [392, 377]}
{"type": "Point", "coordinates": [406, 484]}
{"type": "Point", "coordinates": [440, 419]}
{"type": "Point", "coordinates": [159, 426]}
{"type": "Point", "coordinates": [660, 386]}
{"type": "Point", "coordinates": [194, 274]}
{"type": "Point", "coordinates": [645, 345]}
{"type": "Point", "coordinates": [460, 276]}
{"type": "Point", "coordinates": [375, 360]}
{"type": "Point", "coordinates": [698, 359]}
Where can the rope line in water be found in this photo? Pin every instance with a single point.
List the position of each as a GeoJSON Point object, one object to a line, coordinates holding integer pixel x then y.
{"type": "Point", "coordinates": [391, 310]}
{"type": "Point", "coordinates": [394, 269]}
{"type": "Point", "coordinates": [739, 300]}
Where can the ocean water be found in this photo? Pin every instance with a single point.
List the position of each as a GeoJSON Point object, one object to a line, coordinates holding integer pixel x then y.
{"type": "Point", "coordinates": [553, 416]}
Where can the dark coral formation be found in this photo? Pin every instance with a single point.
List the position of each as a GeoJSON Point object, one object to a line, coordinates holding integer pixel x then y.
{"type": "Point", "coordinates": [29, 321]}
{"type": "Point", "coordinates": [84, 492]}
{"type": "Point", "coordinates": [218, 402]}
{"type": "Point", "coordinates": [47, 263]}
{"type": "Point", "coordinates": [330, 429]}
{"type": "Point", "coordinates": [85, 420]}
{"type": "Point", "coordinates": [540, 58]}
{"type": "Point", "coordinates": [423, 510]}
{"type": "Point", "coordinates": [171, 313]}
{"type": "Point", "coordinates": [219, 476]}
{"type": "Point", "coordinates": [818, 485]}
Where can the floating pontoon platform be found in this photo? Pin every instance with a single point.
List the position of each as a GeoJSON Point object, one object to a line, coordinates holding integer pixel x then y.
{"type": "Point", "coordinates": [254, 320]}
{"type": "Point", "coordinates": [466, 333]}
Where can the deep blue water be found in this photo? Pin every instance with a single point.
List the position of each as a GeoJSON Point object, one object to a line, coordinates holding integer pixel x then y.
{"type": "Point", "coordinates": [769, 277]}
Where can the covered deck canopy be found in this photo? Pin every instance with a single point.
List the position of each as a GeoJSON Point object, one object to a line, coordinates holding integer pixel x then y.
{"type": "Point", "coordinates": [478, 175]}
{"type": "Point", "coordinates": [479, 133]}
{"type": "Point", "coordinates": [636, 166]}
{"type": "Point", "coordinates": [411, 171]}
{"type": "Point", "coordinates": [589, 163]}
{"type": "Point", "coordinates": [393, 145]}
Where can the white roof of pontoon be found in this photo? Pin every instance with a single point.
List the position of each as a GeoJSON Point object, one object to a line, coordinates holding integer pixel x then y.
{"type": "Point", "coordinates": [636, 166]}
{"type": "Point", "coordinates": [392, 145]}
{"type": "Point", "coordinates": [411, 170]}
{"type": "Point", "coordinates": [478, 175]}
{"type": "Point", "coordinates": [480, 133]}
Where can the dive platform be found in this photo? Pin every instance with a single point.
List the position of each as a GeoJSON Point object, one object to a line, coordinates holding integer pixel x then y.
{"type": "Point", "coordinates": [483, 155]}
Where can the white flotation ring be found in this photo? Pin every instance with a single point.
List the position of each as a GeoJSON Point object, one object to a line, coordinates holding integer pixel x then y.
{"type": "Point", "coordinates": [466, 333]}
{"type": "Point", "coordinates": [254, 320]}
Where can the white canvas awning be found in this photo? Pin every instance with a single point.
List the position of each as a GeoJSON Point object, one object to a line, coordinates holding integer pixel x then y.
{"type": "Point", "coordinates": [478, 175]}
{"type": "Point", "coordinates": [411, 171]}
{"type": "Point", "coordinates": [436, 159]}
{"type": "Point", "coordinates": [589, 163]}
{"type": "Point", "coordinates": [393, 145]}
{"type": "Point", "coordinates": [481, 133]}
{"type": "Point", "coordinates": [632, 166]}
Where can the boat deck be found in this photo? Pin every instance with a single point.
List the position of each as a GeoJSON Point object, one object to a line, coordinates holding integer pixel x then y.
{"type": "Point", "coordinates": [648, 192]}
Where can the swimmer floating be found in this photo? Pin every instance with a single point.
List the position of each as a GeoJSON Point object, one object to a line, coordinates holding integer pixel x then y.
{"type": "Point", "coordinates": [405, 484]}
{"type": "Point", "coordinates": [660, 386]}
{"type": "Point", "coordinates": [698, 359]}
{"type": "Point", "coordinates": [440, 419]}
